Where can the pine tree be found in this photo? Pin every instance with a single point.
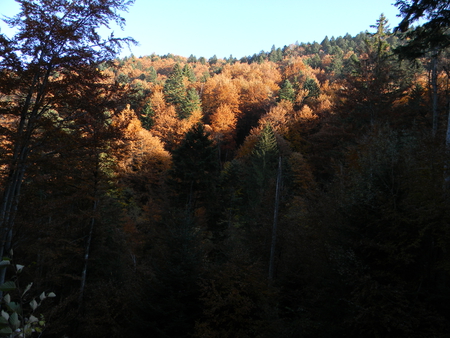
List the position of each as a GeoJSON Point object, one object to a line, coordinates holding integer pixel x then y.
{"type": "Point", "coordinates": [264, 159]}
{"type": "Point", "coordinates": [286, 92]}
{"type": "Point", "coordinates": [147, 115]}
{"type": "Point", "coordinates": [192, 103]}
{"type": "Point", "coordinates": [192, 59]}
{"type": "Point", "coordinates": [195, 164]}
{"type": "Point", "coordinates": [189, 73]}
{"type": "Point", "coordinates": [213, 60]}
{"type": "Point", "coordinates": [175, 90]}
{"type": "Point", "coordinates": [152, 75]}
{"type": "Point", "coordinates": [312, 87]}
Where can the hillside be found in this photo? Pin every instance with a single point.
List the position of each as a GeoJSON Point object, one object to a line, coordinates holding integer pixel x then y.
{"type": "Point", "coordinates": [299, 192]}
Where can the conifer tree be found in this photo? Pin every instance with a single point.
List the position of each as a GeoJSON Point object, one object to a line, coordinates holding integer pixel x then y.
{"type": "Point", "coordinates": [192, 103]}
{"type": "Point", "coordinates": [152, 75]}
{"type": "Point", "coordinates": [189, 73]}
{"type": "Point", "coordinates": [264, 159]}
{"type": "Point", "coordinates": [286, 92]}
{"type": "Point", "coordinates": [312, 87]}
{"type": "Point", "coordinates": [147, 115]}
{"type": "Point", "coordinates": [195, 165]}
{"type": "Point", "coordinates": [175, 90]}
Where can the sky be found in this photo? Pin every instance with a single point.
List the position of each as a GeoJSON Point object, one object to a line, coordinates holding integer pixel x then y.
{"type": "Point", "coordinates": [237, 27]}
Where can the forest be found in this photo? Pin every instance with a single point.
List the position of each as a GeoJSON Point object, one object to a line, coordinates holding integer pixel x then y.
{"type": "Point", "coordinates": [298, 192]}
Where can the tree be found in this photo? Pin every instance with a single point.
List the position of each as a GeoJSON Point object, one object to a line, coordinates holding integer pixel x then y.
{"type": "Point", "coordinates": [192, 103]}
{"type": "Point", "coordinates": [431, 37]}
{"type": "Point", "coordinates": [152, 75]}
{"type": "Point", "coordinates": [50, 65]}
{"type": "Point", "coordinates": [312, 88]}
{"type": "Point", "coordinates": [189, 73]}
{"type": "Point", "coordinates": [264, 162]}
{"type": "Point", "coordinates": [377, 79]}
{"type": "Point", "coordinates": [174, 88]}
{"type": "Point", "coordinates": [287, 91]}
{"type": "Point", "coordinates": [195, 166]}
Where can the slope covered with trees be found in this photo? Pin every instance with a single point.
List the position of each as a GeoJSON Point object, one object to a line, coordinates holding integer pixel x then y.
{"type": "Point", "coordinates": [299, 192]}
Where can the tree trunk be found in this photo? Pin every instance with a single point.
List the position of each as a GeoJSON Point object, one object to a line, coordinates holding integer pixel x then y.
{"type": "Point", "coordinates": [86, 255]}
{"type": "Point", "coordinates": [434, 91]}
{"type": "Point", "coordinates": [275, 223]}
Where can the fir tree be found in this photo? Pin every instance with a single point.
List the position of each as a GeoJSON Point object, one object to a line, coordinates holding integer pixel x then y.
{"type": "Point", "coordinates": [174, 89]}
{"type": "Point", "coordinates": [194, 167]}
{"type": "Point", "coordinates": [312, 87]}
{"type": "Point", "coordinates": [152, 75]}
{"type": "Point", "coordinates": [189, 73]}
{"type": "Point", "coordinates": [147, 115]}
{"type": "Point", "coordinates": [286, 92]}
{"type": "Point", "coordinates": [191, 104]}
{"type": "Point", "coordinates": [264, 158]}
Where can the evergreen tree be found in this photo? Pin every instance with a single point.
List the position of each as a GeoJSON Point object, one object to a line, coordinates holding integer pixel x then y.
{"type": "Point", "coordinates": [192, 59]}
{"type": "Point", "coordinates": [191, 104]}
{"type": "Point", "coordinates": [195, 165]}
{"type": "Point", "coordinates": [152, 75]}
{"type": "Point", "coordinates": [287, 91]}
{"type": "Point", "coordinates": [174, 89]}
{"type": "Point", "coordinates": [189, 73]}
{"type": "Point", "coordinates": [326, 45]}
{"type": "Point", "coordinates": [147, 115]}
{"type": "Point", "coordinates": [213, 60]}
{"type": "Point", "coordinates": [312, 87]}
{"type": "Point", "coordinates": [264, 160]}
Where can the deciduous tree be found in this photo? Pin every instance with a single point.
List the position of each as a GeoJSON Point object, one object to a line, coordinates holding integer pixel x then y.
{"type": "Point", "coordinates": [50, 65]}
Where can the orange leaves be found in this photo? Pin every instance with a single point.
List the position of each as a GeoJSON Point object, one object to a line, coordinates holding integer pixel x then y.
{"type": "Point", "coordinates": [279, 117]}
{"type": "Point", "coordinates": [220, 90]}
{"type": "Point", "coordinates": [223, 120]}
{"type": "Point", "coordinates": [294, 67]}
{"type": "Point", "coordinates": [170, 129]}
{"type": "Point", "coordinates": [141, 145]}
{"type": "Point", "coordinates": [223, 125]}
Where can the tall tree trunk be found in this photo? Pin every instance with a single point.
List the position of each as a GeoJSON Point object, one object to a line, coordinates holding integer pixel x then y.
{"type": "Point", "coordinates": [29, 114]}
{"type": "Point", "coordinates": [87, 249]}
{"type": "Point", "coordinates": [434, 92]}
{"type": "Point", "coordinates": [86, 255]}
{"type": "Point", "coordinates": [10, 202]}
{"type": "Point", "coordinates": [275, 223]}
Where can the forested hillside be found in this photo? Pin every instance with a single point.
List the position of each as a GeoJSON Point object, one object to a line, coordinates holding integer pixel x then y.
{"type": "Point", "coordinates": [299, 192]}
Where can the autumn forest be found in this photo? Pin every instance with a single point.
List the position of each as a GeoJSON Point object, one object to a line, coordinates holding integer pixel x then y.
{"type": "Point", "coordinates": [296, 192]}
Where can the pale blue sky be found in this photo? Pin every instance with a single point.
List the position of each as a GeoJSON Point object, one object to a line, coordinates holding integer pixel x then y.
{"type": "Point", "coordinates": [239, 27]}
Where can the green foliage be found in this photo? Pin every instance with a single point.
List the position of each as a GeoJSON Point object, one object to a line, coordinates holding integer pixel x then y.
{"type": "Point", "coordinates": [147, 115]}
{"type": "Point", "coordinates": [185, 101]}
{"type": "Point", "coordinates": [314, 61]}
{"type": "Point", "coordinates": [189, 73]}
{"type": "Point", "coordinates": [265, 154]}
{"type": "Point", "coordinates": [192, 59]}
{"type": "Point", "coordinates": [276, 55]}
{"type": "Point", "coordinates": [213, 60]}
{"type": "Point", "coordinates": [152, 75]}
{"type": "Point", "coordinates": [287, 91]}
{"type": "Point", "coordinates": [174, 89]}
{"type": "Point", "coordinates": [192, 103]}
{"type": "Point", "coordinates": [312, 87]}
{"type": "Point", "coordinates": [263, 165]}
{"type": "Point", "coordinates": [19, 318]}
{"type": "Point", "coordinates": [431, 35]}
